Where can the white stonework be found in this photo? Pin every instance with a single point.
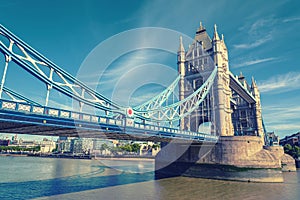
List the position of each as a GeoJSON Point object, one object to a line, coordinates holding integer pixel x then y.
{"type": "Point", "coordinates": [195, 65]}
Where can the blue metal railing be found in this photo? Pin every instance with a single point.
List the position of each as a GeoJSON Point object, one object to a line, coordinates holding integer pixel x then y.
{"type": "Point", "coordinates": [126, 125]}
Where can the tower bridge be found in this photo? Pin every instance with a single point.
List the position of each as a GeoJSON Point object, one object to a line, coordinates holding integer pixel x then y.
{"type": "Point", "coordinates": [233, 109]}
{"type": "Point", "coordinates": [233, 98]}
{"type": "Point", "coordinates": [208, 93]}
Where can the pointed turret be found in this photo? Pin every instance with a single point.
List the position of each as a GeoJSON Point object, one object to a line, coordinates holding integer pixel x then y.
{"type": "Point", "coordinates": [254, 88]}
{"type": "Point", "coordinates": [257, 107]}
{"type": "Point", "coordinates": [216, 35]}
{"type": "Point", "coordinates": [241, 76]}
{"type": "Point", "coordinates": [253, 84]}
{"type": "Point", "coordinates": [201, 28]}
{"type": "Point", "coordinates": [181, 71]}
{"type": "Point", "coordinates": [203, 38]}
{"type": "Point", "coordinates": [181, 58]}
{"type": "Point", "coordinates": [218, 49]}
{"type": "Point", "coordinates": [181, 48]}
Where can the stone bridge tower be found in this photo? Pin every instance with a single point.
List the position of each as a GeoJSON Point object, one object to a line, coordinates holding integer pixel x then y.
{"type": "Point", "coordinates": [236, 110]}
{"type": "Point", "coordinates": [194, 66]}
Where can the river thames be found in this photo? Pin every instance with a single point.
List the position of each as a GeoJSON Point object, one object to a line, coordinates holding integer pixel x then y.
{"type": "Point", "coordinates": [50, 178]}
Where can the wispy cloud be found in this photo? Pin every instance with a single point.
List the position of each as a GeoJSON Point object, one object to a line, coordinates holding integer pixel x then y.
{"type": "Point", "coordinates": [282, 119]}
{"type": "Point", "coordinates": [253, 62]}
{"type": "Point", "coordinates": [281, 83]}
{"type": "Point", "coordinates": [279, 114]}
{"type": "Point", "coordinates": [261, 24]}
{"type": "Point", "coordinates": [285, 129]}
{"type": "Point", "coordinates": [253, 44]}
{"type": "Point", "coordinates": [291, 19]}
{"type": "Point", "coordinates": [258, 33]}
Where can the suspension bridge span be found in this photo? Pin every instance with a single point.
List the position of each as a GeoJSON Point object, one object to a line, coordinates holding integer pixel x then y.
{"type": "Point", "coordinates": [19, 114]}
{"type": "Point", "coordinates": [208, 94]}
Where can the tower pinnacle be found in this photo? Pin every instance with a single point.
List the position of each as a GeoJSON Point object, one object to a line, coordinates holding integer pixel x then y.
{"type": "Point", "coordinates": [254, 88]}
{"type": "Point", "coordinates": [181, 48]}
{"type": "Point", "coordinates": [253, 85]}
{"type": "Point", "coordinates": [201, 28]}
{"type": "Point", "coordinates": [216, 35]}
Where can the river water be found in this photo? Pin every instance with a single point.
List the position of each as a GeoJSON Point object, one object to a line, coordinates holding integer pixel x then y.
{"type": "Point", "coordinates": [50, 178]}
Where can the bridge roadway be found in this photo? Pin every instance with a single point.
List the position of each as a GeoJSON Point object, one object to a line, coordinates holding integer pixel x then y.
{"type": "Point", "coordinates": [24, 118]}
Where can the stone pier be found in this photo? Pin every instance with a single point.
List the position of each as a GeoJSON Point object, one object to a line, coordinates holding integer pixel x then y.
{"type": "Point", "coordinates": [240, 158]}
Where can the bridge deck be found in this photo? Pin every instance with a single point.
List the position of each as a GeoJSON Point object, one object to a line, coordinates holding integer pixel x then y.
{"type": "Point", "coordinates": [12, 120]}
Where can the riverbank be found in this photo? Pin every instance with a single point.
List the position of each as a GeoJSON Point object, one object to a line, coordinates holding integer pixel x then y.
{"type": "Point", "coordinates": [68, 156]}
{"type": "Point", "coordinates": [13, 154]}
{"type": "Point", "coordinates": [89, 157]}
{"type": "Point", "coordinates": [127, 158]}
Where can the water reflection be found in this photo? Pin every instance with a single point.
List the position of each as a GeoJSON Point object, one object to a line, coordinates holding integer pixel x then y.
{"type": "Point", "coordinates": [24, 178]}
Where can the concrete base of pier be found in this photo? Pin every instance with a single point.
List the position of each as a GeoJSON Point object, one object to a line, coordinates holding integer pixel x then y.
{"type": "Point", "coordinates": [240, 158]}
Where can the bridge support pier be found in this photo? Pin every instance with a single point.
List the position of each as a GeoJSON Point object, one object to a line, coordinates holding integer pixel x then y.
{"type": "Point", "coordinates": [239, 158]}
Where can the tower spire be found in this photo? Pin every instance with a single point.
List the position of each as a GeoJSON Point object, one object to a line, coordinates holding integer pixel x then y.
{"type": "Point", "coordinates": [181, 48]}
{"type": "Point", "coordinates": [201, 28]}
{"type": "Point", "coordinates": [253, 85]}
{"type": "Point", "coordinates": [216, 35]}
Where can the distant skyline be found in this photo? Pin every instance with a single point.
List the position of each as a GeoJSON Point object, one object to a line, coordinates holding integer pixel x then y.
{"type": "Point", "coordinates": [262, 38]}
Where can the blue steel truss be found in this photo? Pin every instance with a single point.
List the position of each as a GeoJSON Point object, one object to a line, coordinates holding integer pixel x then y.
{"type": "Point", "coordinates": [181, 108]}
{"type": "Point", "coordinates": [154, 110]}
{"type": "Point", "coordinates": [33, 62]}
{"type": "Point", "coordinates": [157, 101]}
{"type": "Point", "coordinates": [16, 96]}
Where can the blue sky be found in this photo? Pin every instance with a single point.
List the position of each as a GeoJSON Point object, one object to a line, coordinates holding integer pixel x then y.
{"type": "Point", "coordinates": [262, 39]}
